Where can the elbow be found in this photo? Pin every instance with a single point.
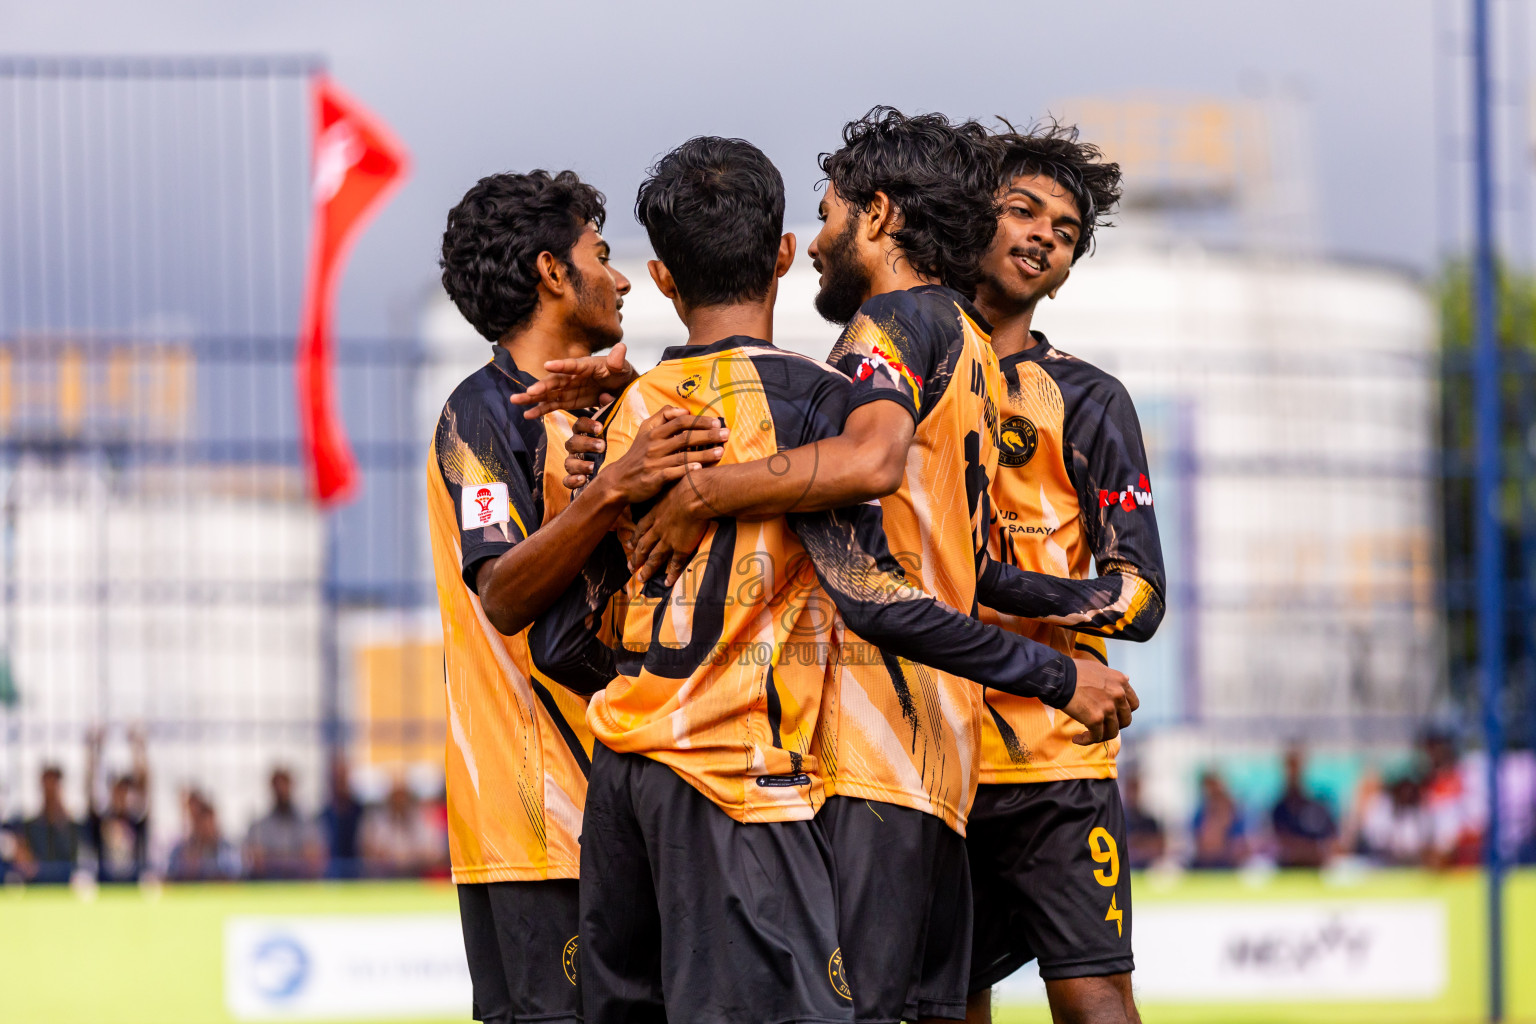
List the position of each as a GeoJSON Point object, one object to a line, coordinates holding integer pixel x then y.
{"type": "Point", "coordinates": [1141, 628]}
{"type": "Point", "coordinates": [508, 620]}
{"type": "Point", "coordinates": [885, 478]}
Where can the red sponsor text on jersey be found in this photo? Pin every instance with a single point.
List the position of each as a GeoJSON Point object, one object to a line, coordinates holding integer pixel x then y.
{"type": "Point", "coordinates": [1139, 493]}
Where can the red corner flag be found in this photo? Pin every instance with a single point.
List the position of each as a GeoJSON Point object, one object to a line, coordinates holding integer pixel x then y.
{"type": "Point", "coordinates": [357, 164]}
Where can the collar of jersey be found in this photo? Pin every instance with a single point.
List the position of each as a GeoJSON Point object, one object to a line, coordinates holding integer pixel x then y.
{"type": "Point", "coordinates": [723, 345]}
{"type": "Point", "coordinates": [965, 304]}
{"type": "Point", "coordinates": [1029, 355]}
{"type": "Point", "coordinates": [503, 362]}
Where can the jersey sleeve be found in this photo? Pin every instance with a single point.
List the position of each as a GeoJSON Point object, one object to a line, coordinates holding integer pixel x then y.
{"type": "Point", "coordinates": [893, 347]}
{"type": "Point", "coordinates": [848, 550]}
{"type": "Point", "coordinates": [486, 466]}
{"type": "Point", "coordinates": [807, 400]}
{"type": "Point", "coordinates": [1107, 463]}
{"type": "Point", "coordinates": [573, 642]}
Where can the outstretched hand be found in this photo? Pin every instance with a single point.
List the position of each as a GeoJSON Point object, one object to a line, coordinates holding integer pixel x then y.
{"type": "Point", "coordinates": [584, 382]}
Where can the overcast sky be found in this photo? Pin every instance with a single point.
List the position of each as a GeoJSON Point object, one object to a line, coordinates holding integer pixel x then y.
{"type": "Point", "coordinates": [476, 87]}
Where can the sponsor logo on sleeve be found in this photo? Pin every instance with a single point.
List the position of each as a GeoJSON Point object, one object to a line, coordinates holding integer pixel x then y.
{"type": "Point", "coordinates": [887, 363]}
{"type": "Point", "coordinates": [486, 505]}
{"type": "Point", "coordinates": [1137, 494]}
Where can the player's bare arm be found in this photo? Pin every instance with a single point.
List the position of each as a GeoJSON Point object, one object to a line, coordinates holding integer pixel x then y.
{"type": "Point", "coordinates": [864, 463]}
{"type": "Point", "coordinates": [521, 584]}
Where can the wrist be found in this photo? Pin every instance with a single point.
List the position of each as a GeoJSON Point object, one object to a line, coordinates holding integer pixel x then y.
{"type": "Point", "coordinates": [1065, 689]}
{"type": "Point", "coordinates": [607, 494]}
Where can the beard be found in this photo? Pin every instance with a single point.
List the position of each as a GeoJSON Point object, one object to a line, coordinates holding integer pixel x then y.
{"type": "Point", "coordinates": [844, 281]}
{"type": "Point", "coordinates": [594, 316]}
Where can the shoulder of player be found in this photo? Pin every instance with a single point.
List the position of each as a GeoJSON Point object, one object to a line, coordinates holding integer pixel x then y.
{"type": "Point", "coordinates": [480, 400]}
{"type": "Point", "coordinates": [915, 310]}
{"type": "Point", "coordinates": [1079, 378]}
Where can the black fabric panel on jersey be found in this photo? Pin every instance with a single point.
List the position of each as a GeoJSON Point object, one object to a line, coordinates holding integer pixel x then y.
{"type": "Point", "coordinates": [911, 624]}
{"type": "Point", "coordinates": [673, 661]}
{"type": "Point", "coordinates": [480, 412]}
{"type": "Point", "coordinates": [1106, 461]}
{"type": "Point", "coordinates": [1040, 893]}
{"type": "Point", "coordinates": [923, 325]}
{"type": "Point", "coordinates": [563, 642]}
{"type": "Point", "coordinates": [688, 915]}
{"type": "Point", "coordinates": [521, 942]}
{"type": "Point", "coordinates": [904, 909]}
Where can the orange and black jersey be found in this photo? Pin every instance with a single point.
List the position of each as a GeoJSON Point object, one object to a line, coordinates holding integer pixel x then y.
{"type": "Point", "coordinates": [518, 747]}
{"type": "Point", "coordinates": [1072, 486]}
{"type": "Point", "coordinates": [721, 675]}
{"type": "Point", "coordinates": [894, 730]}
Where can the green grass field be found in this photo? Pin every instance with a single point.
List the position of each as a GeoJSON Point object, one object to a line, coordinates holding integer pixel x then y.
{"type": "Point", "coordinates": [157, 956]}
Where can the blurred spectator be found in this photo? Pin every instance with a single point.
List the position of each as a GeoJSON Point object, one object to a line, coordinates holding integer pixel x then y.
{"type": "Point", "coordinates": [1303, 825]}
{"type": "Point", "coordinates": [1143, 832]}
{"type": "Point", "coordinates": [120, 834]}
{"type": "Point", "coordinates": [49, 844]}
{"type": "Point", "coordinates": [283, 844]}
{"type": "Point", "coordinates": [398, 838]}
{"type": "Point", "coordinates": [1394, 829]}
{"type": "Point", "coordinates": [204, 855]}
{"type": "Point", "coordinates": [1455, 824]}
{"type": "Point", "coordinates": [339, 821]}
{"type": "Point", "coordinates": [1220, 834]}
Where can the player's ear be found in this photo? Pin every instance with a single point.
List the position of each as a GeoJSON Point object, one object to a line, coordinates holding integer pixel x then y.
{"type": "Point", "coordinates": [663, 278]}
{"type": "Point", "coordinates": [1059, 284]}
{"type": "Point", "coordinates": [881, 214]}
{"type": "Point", "coordinates": [668, 287]}
{"type": "Point", "coordinates": [786, 255]}
{"type": "Point", "coordinates": [553, 275]}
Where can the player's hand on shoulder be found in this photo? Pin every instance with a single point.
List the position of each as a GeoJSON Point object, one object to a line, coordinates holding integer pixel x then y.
{"type": "Point", "coordinates": [584, 382]}
{"type": "Point", "coordinates": [1103, 702]}
{"type": "Point", "coordinates": [667, 446]}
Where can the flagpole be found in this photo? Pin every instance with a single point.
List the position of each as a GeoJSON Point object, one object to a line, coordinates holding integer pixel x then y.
{"type": "Point", "coordinates": [1490, 582]}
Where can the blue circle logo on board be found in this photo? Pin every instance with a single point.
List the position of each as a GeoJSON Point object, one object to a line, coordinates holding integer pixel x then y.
{"type": "Point", "coordinates": [279, 967]}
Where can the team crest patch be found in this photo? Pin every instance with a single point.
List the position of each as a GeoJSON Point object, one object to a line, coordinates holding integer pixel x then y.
{"type": "Point", "coordinates": [688, 386]}
{"type": "Point", "coordinates": [568, 959]}
{"type": "Point", "coordinates": [1017, 441]}
{"type": "Point", "coordinates": [485, 505]}
{"type": "Point", "coordinates": [835, 974]}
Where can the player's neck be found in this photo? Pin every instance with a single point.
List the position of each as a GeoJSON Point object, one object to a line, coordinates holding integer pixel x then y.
{"type": "Point", "coordinates": [895, 274]}
{"type": "Point", "coordinates": [1010, 330]}
{"type": "Point", "coordinates": [538, 343]}
{"type": "Point", "coordinates": [709, 324]}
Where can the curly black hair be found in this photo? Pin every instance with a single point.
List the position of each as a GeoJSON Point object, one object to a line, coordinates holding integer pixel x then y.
{"type": "Point", "coordinates": [1052, 149]}
{"type": "Point", "coordinates": [493, 240]}
{"type": "Point", "coordinates": [940, 174]}
{"type": "Point", "coordinates": [714, 211]}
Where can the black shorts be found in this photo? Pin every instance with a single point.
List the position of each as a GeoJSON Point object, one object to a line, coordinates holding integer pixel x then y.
{"type": "Point", "coordinates": [690, 916]}
{"type": "Point", "coordinates": [521, 941]}
{"type": "Point", "coordinates": [904, 909]}
{"type": "Point", "coordinates": [1050, 880]}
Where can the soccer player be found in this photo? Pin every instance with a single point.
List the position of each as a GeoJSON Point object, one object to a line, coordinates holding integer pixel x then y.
{"type": "Point", "coordinates": [707, 890]}
{"type": "Point", "coordinates": [1047, 838]}
{"type": "Point", "coordinates": [523, 260]}
{"type": "Point", "coordinates": [909, 212]}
